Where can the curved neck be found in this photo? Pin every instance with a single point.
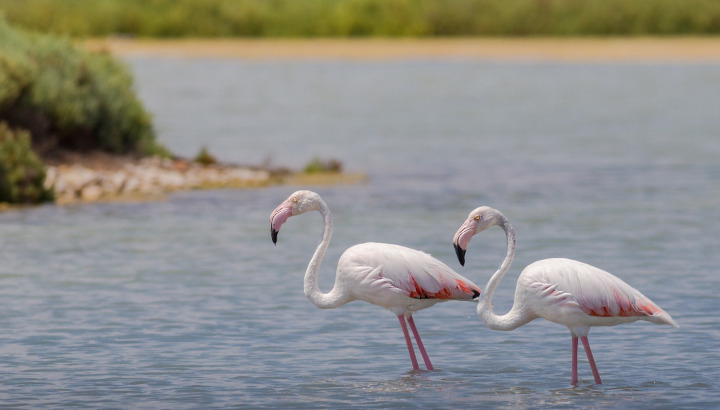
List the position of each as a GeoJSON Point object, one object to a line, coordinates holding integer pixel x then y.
{"type": "Point", "coordinates": [516, 317]}
{"type": "Point", "coordinates": [335, 297]}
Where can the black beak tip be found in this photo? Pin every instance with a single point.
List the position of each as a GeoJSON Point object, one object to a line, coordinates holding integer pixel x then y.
{"type": "Point", "coordinates": [273, 235]}
{"type": "Point", "coordinates": [460, 252]}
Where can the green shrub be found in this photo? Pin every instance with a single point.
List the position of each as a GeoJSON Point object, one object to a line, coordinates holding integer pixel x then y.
{"type": "Point", "coordinates": [345, 18]}
{"type": "Point", "coordinates": [70, 98]}
{"type": "Point", "coordinates": [22, 174]}
{"type": "Point", "coordinates": [318, 166]}
{"type": "Point", "coordinates": [204, 157]}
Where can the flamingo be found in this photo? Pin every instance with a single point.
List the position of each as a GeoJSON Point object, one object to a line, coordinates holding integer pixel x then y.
{"type": "Point", "coordinates": [563, 291]}
{"type": "Point", "coordinates": [399, 279]}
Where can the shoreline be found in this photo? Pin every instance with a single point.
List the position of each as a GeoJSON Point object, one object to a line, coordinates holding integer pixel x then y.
{"type": "Point", "coordinates": [612, 49]}
{"type": "Point", "coordinates": [117, 178]}
{"type": "Point", "coordinates": [91, 178]}
{"type": "Point", "coordinates": [107, 178]}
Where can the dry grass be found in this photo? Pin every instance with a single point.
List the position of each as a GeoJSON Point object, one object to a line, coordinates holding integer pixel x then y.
{"type": "Point", "coordinates": [678, 49]}
{"type": "Point", "coordinates": [324, 178]}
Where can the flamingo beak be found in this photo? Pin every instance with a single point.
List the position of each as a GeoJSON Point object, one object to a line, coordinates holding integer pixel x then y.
{"type": "Point", "coordinates": [462, 239]}
{"type": "Point", "coordinates": [460, 252]}
{"type": "Point", "coordinates": [277, 218]}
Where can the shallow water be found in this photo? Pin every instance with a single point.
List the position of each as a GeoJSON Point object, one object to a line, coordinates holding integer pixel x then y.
{"type": "Point", "coordinates": [185, 303]}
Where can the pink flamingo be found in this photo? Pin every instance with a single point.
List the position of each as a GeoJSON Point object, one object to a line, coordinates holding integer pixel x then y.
{"type": "Point", "coordinates": [399, 279]}
{"type": "Point", "coordinates": [563, 291]}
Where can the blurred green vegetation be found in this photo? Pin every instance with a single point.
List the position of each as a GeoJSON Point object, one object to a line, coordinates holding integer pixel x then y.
{"type": "Point", "coordinates": [22, 173]}
{"type": "Point", "coordinates": [319, 166]}
{"type": "Point", "coordinates": [56, 97]}
{"type": "Point", "coordinates": [205, 157]}
{"type": "Point", "coordinates": [348, 18]}
{"type": "Point", "coordinates": [70, 98]}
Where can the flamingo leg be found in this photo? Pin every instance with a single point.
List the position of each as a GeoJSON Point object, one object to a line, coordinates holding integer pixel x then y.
{"type": "Point", "coordinates": [591, 360]}
{"type": "Point", "coordinates": [419, 342]}
{"type": "Point", "coordinates": [411, 350]}
{"type": "Point", "coordinates": [574, 377]}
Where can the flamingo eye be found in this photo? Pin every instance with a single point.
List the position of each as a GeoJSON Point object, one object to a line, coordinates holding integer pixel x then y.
{"type": "Point", "coordinates": [295, 200]}
{"type": "Point", "coordinates": [477, 217]}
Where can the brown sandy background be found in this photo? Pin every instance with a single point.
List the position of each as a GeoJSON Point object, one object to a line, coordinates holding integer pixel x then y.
{"type": "Point", "coordinates": [573, 49]}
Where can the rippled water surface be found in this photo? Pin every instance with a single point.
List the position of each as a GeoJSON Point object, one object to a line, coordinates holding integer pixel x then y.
{"type": "Point", "coordinates": [185, 303]}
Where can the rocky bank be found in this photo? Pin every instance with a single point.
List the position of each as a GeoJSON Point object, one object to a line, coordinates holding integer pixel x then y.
{"type": "Point", "coordinates": [145, 177]}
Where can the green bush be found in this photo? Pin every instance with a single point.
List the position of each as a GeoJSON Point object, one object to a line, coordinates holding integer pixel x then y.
{"type": "Point", "coordinates": [345, 18]}
{"type": "Point", "coordinates": [70, 98]}
{"type": "Point", "coordinates": [319, 166]}
{"type": "Point", "coordinates": [22, 174]}
{"type": "Point", "coordinates": [205, 157]}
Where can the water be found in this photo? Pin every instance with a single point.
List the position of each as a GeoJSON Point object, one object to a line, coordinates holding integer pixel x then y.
{"type": "Point", "coordinates": [185, 303]}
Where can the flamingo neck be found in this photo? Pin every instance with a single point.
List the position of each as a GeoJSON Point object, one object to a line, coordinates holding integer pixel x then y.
{"type": "Point", "coordinates": [335, 297]}
{"type": "Point", "coordinates": [516, 316]}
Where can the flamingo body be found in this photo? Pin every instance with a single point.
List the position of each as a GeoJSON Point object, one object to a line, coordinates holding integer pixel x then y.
{"type": "Point", "coordinates": [564, 291]}
{"type": "Point", "coordinates": [580, 296]}
{"type": "Point", "coordinates": [399, 279]}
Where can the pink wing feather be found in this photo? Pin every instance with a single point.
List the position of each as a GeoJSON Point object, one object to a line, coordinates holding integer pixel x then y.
{"type": "Point", "coordinates": [596, 292]}
{"type": "Point", "coordinates": [413, 272]}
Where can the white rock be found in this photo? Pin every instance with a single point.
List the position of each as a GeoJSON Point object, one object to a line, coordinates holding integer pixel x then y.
{"type": "Point", "coordinates": [118, 177]}
{"type": "Point", "coordinates": [91, 193]}
{"type": "Point", "coordinates": [132, 184]}
{"type": "Point", "coordinates": [51, 175]}
{"type": "Point", "coordinates": [170, 179]}
{"type": "Point", "coordinates": [148, 176]}
{"type": "Point", "coordinates": [77, 176]}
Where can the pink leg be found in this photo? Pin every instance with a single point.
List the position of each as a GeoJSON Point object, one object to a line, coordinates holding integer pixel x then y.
{"type": "Point", "coordinates": [419, 342]}
{"type": "Point", "coordinates": [574, 377]}
{"type": "Point", "coordinates": [591, 360]}
{"type": "Point", "coordinates": [409, 343]}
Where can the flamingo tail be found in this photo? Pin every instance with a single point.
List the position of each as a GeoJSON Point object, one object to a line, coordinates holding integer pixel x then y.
{"type": "Point", "coordinates": [662, 318]}
{"type": "Point", "coordinates": [655, 314]}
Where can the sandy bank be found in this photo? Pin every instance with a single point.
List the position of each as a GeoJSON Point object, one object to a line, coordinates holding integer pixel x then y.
{"type": "Point", "coordinates": [682, 49]}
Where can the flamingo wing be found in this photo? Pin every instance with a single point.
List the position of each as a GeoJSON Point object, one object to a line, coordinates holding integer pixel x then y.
{"type": "Point", "coordinates": [594, 291]}
{"type": "Point", "coordinates": [413, 273]}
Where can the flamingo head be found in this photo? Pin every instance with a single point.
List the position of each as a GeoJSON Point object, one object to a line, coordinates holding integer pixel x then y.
{"type": "Point", "coordinates": [297, 203]}
{"type": "Point", "coordinates": [479, 220]}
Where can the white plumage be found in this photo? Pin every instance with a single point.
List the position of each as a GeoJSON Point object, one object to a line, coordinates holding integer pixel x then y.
{"type": "Point", "coordinates": [560, 290]}
{"type": "Point", "coordinates": [400, 279]}
{"type": "Point", "coordinates": [394, 277]}
{"type": "Point", "coordinates": [579, 295]}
